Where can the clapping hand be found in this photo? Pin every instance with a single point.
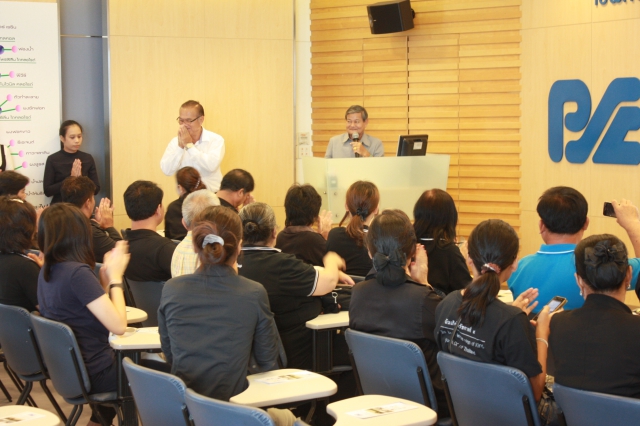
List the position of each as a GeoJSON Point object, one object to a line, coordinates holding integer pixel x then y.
{"type": "Point", "coordinates": [526, 300]}
{"type": "Point", "coordinates": [104, 214]}
{"type": "Point", "coordinates": [420, 266]}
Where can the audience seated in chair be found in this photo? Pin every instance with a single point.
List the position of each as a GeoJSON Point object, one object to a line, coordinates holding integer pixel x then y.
{"type": "Point", "coordinates": [435, 224]}
{"type": "Point", "coordinates": [563, 221]}
{"type": "Point", "coordinates": [593, 347]}
{"type": "Point", "coordinates": [13, 183]}
{"type": "Point", "coordinates": [290, 283]}
{"type": "Point", "coordinates": [362, 206]}
{"type": "Point", "coordinates": [399, 302]}
{"type": "Point", "coordinates": [235, 189]}
{"type": "Point", "coordinates": [302, 207]}
{"type": "Point", "coordinates": [212, 321]}
{"type": "Point", "coordinates": [69, 292]}
{"type": "Point", "coordinates": [474, 324]}
{"type": "Point", "coordinates": [185, 259]}
{"type": "Point", "coordinates": [79, 190]}
{"type": "Point", "coordinates": [151, 253]}
{"type": "Point", "coordinates": [188, 180]}
{"type": "Point", "coordinates": [18, 270]}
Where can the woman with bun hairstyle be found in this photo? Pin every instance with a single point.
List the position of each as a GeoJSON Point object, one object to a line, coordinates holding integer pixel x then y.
{"type": "Point", "coordinates": [399, 302]}
{"type": "Point", "coordinates": [502, 334]}
{"type": "Point", "coordinates": [595, 347]}
{"type": "Point", "coordinates": [435, 220]}
{"type": "Point", "coordinates": [290, 282]}
{"type": "Point", "coordinates": [188, 180]}
{"type": "Point", "coordinates": [348, 242]}
{"type": "Point", "coordinates": [210, 322]}
{"type": "Point", "coordinates": [69, 161]}
{"type": "Point", "coordinates": [69, 292]}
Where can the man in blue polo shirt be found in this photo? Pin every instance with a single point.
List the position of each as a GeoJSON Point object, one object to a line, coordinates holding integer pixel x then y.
{"type": "Point", "coordinates": [563, 220]}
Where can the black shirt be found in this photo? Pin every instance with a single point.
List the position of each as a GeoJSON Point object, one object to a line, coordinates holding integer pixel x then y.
{"type": "Point", "coordinates": [448, 270]}
{"type": "Point", "coordinates": [289, 283]}
{"type": "Point", "coordinates": [304, 243]}
{"type": "Point", "coordinates": [173, 227]}
{"type": "Point", "coordinates": [357, 258]}
{"type": "Point", "coordinates": [19, 281]}
{"type": "Point", "coordinates": [58, 168]}
{"type": "Point", "coordinates": [403, 312]}
{"type": "Point", "coordinates": [225, 203]}
{"type": "Point", "coordinates": [596, 347]}
{"type": "Point", "coordinates": [103, 240]}
{"type": "Point", "coordinates": [505, 337]}
{"type": "Point", "coordinates": [151, 256]}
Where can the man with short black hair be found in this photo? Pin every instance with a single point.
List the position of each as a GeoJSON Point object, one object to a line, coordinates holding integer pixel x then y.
{"type": "Point", "coordinates": [563, 221]}
{"type": "Point", "coordinates": [194, 146]}
{"type": "Point", "coordinates": [151, 253]}
{"type": "Point", "coordinates": [235, 189]}
{"type": "Point", "coordinates": [13, 183]}
{"type": "Point", "coordinates": [79, 190]}
{"type": "Point", "coordinates": [348, 145]}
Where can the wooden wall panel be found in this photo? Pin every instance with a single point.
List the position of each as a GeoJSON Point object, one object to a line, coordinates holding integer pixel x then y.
{"type": "Point", "coordinates": [236, 58]}
{"type": "Point", "coordinates": [455, 76]}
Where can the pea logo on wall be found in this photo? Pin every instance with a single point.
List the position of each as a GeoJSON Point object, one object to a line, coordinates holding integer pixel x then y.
{"type": "Point", "coordinates": [613, 148]}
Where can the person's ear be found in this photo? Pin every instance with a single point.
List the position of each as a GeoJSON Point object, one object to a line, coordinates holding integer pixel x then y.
{"type": "Point", "coordinates": [627, 278]}
{"type": "Point", "coordinates": [184, 224]}
{"type": "Point", "coordinates": [586, 225]}
{"type": "Point", "coordinates": [541, 227]}
{"type": "Point", "coordinates": [581, 284]}
{"type": "Point", "coordinates": [274, 233]}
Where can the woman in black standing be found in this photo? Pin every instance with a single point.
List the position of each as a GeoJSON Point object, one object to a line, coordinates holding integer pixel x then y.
{"type": "Point", "coordinates": [69, 161]}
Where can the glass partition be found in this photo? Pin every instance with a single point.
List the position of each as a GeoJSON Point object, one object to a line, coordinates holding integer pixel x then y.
{"type": "Point", "coordinates": [400, 180]}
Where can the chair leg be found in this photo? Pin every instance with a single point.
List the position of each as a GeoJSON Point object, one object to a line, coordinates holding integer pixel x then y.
{"type": "Point", "coordinates": [25, 393]}
{"type": "Point", "coordinates": [447, 394]}
{"type": "Point", "coordinates": [75, 415]}
{"type": "Point", "coordinates": [5, 391]}
{"type": "Point", "coordinates": [45, 388]}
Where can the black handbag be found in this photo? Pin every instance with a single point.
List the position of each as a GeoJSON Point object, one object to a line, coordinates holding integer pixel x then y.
{"type": "Point", "coordinates": [336, 301]}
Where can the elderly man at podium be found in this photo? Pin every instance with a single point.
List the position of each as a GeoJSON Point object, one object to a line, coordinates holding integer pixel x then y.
{"type": "Point", "coordinates": [355, 143]}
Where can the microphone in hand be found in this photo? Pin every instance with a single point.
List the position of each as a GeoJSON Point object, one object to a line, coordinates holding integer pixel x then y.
{"type": "Point", "coordinates": [355, 138]}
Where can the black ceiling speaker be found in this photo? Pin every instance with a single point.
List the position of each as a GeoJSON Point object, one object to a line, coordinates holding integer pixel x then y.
{"type": "Point", "coordinates": [390, 17]}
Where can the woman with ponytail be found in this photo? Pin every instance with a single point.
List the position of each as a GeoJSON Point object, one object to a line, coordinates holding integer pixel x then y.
{"type": "Point", "coordinates": [290, 282]}
{"type": "Point", "coordinates": [399, 302]}
{"type": "Point", "coordinates": [595, 347]}
{"type": "Point", "coordinates": [188, 180]}
{"type": "Point", "coordinates": [211, 322]}
{"type": "Point", "coordinates": [348, 242]}
{"type": "Point", "coordinates": [502, 334]}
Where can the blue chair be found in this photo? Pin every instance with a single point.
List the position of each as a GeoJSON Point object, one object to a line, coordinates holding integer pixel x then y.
{"type": "Point", "coordinates": [586, 408]}
{"type": "Point", "coordinates": [482, 394]}
{"type": "Point", "coordinates": [159, 396]}
{"type": "Point", "coordinates": [207, 411]}
{"type": "Point", "coordinates": [22, 353]}
{"type": "Point", "coordinates": [66, 368]}
{"type": "Point", "coordinates": [391, 367]}
{"type": "Point", "coordinates": [146, 295]}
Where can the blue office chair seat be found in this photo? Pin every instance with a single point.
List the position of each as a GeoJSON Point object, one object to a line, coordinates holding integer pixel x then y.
{"type": "Point", "coordinates": [482, 394]}
{"type": "Point", "coordinates": [585, 408]}
{"type": "Point", "coordinates": [212, 412]}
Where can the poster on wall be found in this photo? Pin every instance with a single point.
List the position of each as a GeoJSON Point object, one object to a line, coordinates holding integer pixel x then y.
{"type": "Point", "coordinates": [29, 90]}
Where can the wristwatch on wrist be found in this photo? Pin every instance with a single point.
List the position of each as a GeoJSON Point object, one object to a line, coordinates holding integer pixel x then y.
{"type": "Point", "coordinates": [189, 145]}
{"type": "Point", "coordinates": [118, 285]}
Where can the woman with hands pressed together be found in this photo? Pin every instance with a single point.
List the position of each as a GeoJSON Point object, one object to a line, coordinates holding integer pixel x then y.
{"type": "Point", "coordinates": [399, 302]}
{"type": "Point", "coordinates": [69, 292]}
{"type": "Point", "coordinates": [502, 333]}
{"type": "Point", "coordinates": [69, 161]}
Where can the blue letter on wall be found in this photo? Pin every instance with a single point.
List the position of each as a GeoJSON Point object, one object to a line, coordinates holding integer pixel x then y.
{"type": "Point", "coordinates": [613, 149]}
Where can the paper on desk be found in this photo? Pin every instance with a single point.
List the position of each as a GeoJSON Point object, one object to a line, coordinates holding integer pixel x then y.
{"type": "Point", "coordinates": [19, 418]}
{"type": "Point", "coordinates": [382, 410]}
{"type": "Point", "coordinates": [148, 330]}
{"type": "Point", "coordinates": [286, 378]}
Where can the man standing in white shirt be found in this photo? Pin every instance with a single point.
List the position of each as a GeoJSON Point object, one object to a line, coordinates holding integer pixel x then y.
{"type": "Point", "coordinates": [195, 146]}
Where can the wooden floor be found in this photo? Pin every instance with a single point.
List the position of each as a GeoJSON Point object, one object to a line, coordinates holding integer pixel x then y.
{"type": "Point", "coordinates": [40, 398]}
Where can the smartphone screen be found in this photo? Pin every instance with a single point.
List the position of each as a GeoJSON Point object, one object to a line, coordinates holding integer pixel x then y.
{"type": "Point", "coordinates": [554, 304]}
{"type": "Point", "coordinates": [607, 210]}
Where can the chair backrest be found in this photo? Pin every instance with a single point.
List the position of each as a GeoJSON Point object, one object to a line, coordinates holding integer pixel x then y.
{"type": "Point", "coordinates": [587, 408]}
{"type": "Point", "coordinates": [159, 396]}
{"type": "Point", "coordinates": [207, 411]}
{"type": "Point", "coordinates": [15, 340]}
{"type": "Point", "coordinates": [147, 296]}
{"type": "Point", "coordinates": [392, 367]}
{"type": "Point", "coordinates": [59, 347]}
{"type": "Point", "coordinates": [487, 394]}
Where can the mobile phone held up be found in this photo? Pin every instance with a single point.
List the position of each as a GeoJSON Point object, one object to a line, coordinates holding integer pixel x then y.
{"type": "Point", "coordinates": [556, 304]}
{"type": "Point", "coordinates": [607, 210]}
